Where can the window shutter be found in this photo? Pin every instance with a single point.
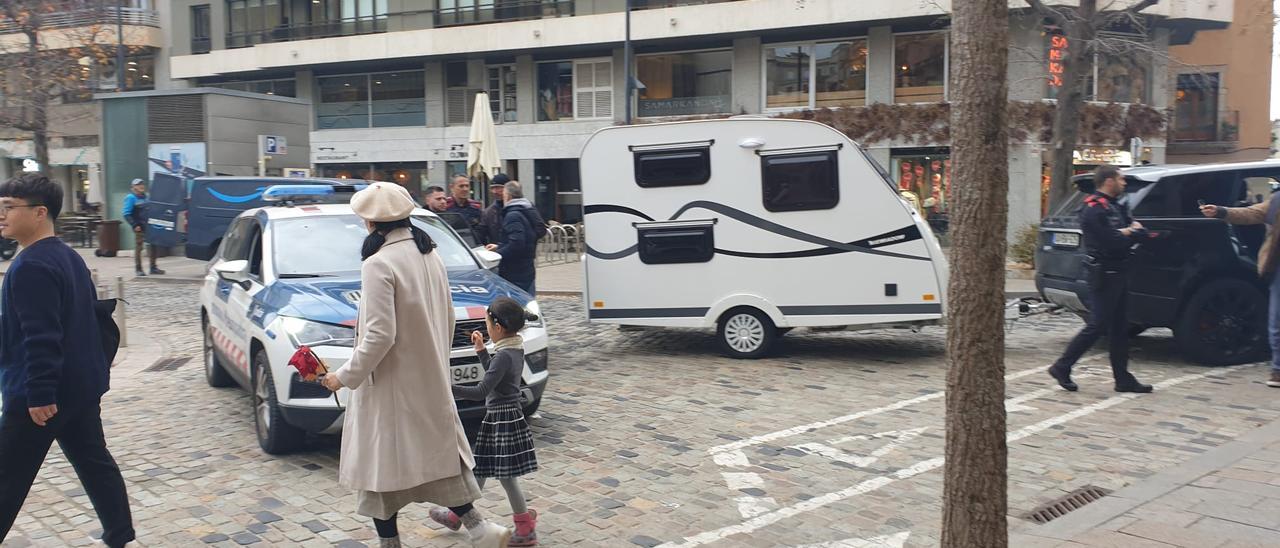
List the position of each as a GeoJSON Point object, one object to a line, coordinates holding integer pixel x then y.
{"type": "Point", "coordinates": [460, 105]}
{"type": "Point", "coordinates": [593, 89]}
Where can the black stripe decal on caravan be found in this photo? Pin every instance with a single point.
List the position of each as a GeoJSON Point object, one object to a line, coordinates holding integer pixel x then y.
{"type": "Point", "coordinates": [830, 247]}
{"type": "Point", "coordinates": [821, 310]}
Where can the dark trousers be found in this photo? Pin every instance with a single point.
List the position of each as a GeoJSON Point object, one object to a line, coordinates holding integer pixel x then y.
{"type": "Point", "coordinates": [1108, 296]}
{"type": "Point", "coordinates": [78, 431]}
{"type": "Point", "coordinates": [140, 242]}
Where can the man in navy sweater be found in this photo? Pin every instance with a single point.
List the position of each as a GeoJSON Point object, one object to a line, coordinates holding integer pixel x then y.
{"type": "Point", "coordinates": [53, 371]}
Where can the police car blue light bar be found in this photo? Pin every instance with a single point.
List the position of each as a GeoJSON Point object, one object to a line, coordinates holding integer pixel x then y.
{"type": "Point", "coordinates": [307, 193]}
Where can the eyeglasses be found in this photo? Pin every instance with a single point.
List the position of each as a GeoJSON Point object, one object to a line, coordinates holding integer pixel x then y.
{"type": "Point", "coordinates": [4, 209]}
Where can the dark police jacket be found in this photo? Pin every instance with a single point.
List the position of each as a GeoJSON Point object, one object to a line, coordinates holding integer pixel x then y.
{"type": "Point", "coordinates": [1101, 220]}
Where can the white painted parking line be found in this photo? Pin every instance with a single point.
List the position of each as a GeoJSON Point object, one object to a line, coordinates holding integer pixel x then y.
{"type": "Point", "coordinates": [742, 480]}
{"type": "Point", "coordinates": [898, 437]}
{"type": "Point", "coordinates": [873, 484]}
{"type": "Point", "coordinates": [896, 540]}
{"type": "Point", "coordinates": [795, 430]}
{"type": "Point", "coordinates": [751, 507]}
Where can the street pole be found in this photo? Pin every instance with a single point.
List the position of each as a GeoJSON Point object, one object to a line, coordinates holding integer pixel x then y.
{"type": "Point", "coordinates": [626, 62]}
{"type": "Point", "coordinates": [120, 68]}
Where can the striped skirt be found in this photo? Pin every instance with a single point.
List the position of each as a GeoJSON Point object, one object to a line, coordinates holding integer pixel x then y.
{"type": "Point", "coordinates": [504, 445]}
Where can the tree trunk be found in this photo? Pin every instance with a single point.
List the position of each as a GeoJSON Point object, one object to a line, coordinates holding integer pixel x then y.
{"type": "Point", "coordinates": [1071, 96]}
{"type": "Point", "coordinates": [974, 492]}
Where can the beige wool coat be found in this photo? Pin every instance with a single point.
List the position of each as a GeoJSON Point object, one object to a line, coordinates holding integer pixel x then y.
{"type": "Point", "coordinates": [401, 428]}
{"type": "Point", "coordinates": [1255, 215]}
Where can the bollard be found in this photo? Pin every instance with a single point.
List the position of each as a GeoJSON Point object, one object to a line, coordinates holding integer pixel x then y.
{"type": "Point", "coordinates": [120, 309]}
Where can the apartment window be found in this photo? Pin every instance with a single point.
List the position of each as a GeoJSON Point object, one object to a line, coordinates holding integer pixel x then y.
{"type": "Point", "coordinates": [139, 73]}
{"type": "Point", "coordinates": [593, 89]}
{"type": "Point", "coordinates": [344, 102]}
{"type": "Point", "coordinates": [468, 12]}
{"type": "Point", "coordinates": [249, 22]}
{"type": "Point", "coordinates": [1122, 75]}
{"type": "Point", "coordinates": [816, 75]}
{"type": "Point", "coordinates": [1196, 107]}
{"type": "Point", "coordinates": [502, 93]}
{"type": "Point", "coordinates": [284, 88]}
{"type": "Point", "coordinates": [685, 83]}
{"type": "Point", "coordinates": [920, 65]}
{"type": "Point", "coordinates": [555, 91]}
{"type": "Point", "coordinates": [200, 25]}
{"type": "Point", "coordinates": [398, 99]}
{"type": "Point", "coordinates": [460, 97]}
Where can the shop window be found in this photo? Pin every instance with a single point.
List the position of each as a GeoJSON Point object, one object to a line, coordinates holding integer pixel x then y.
{"type": "Point", "coordinates": [398, 99]}
{"type": "Point", "coordinates": [673, 166]}
{"type": "Point", "coordinates": [816, 75]}
{"type": "Point", "coordinates": [800, 181]}
{"type": "Point", "coordinates": [927, 179]}
{"type": "Point", "coordinates": [344, 102]}
{"type": "Point", "coordinates": [676, 242]}
{"type": "Point", "coordinates": [920, 65]}
{"type": "Point", "coordinates": [555, 91]}
{"type": "Point", "coordinates": [685, 83]}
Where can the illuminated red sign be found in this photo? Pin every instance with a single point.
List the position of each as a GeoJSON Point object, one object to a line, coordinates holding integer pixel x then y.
{"type": "Point", "coordinates": [1057, 59]}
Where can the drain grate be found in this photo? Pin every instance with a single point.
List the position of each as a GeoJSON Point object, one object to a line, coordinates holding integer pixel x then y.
{"type": "Point", "coordinates": [1063, 505]}
{"type": "Point", "coordinates": [168, 364]}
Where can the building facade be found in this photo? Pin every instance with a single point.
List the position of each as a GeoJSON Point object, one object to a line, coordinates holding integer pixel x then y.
{"type": "Point", "coordinates": [1221, 107]}
{"type": "Point", "coordinates": [392, 82]}
{"type": "Point", "coordinates": [86, 32]}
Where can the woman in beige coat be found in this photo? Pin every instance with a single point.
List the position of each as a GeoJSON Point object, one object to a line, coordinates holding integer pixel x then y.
{"type": "Point", "coordinates": [402, 441]}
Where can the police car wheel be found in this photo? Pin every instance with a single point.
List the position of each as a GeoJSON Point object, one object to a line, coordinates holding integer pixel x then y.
{"type": "Point", "coordinates": [746, 333]}
{"type": "Point", "coordinates": [1224, 323]}
{"type": "Point", "coordinates": [214, 373]}
{"type": "Point", "coordinates": [275, 436]}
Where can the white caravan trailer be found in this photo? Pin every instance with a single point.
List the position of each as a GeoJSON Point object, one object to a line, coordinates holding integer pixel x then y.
{"type": "Point", "coordinates": [753, 226]}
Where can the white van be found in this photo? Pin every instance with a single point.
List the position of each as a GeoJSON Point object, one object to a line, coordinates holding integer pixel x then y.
{"type": "Point", "coordinates": [754, 226]}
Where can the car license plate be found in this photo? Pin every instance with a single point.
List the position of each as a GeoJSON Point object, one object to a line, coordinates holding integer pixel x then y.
{"type": "Point", "coordinates": [1066, 239]}
{"type": "Point", "coordinates": [465, 373]}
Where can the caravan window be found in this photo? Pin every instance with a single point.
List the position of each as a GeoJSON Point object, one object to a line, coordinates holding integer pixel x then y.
{"type": "Point", "coordinates": [673, 167]}
{"type": "Point", "coordinates": [801, 181]}
{"type": "Point", "coordinates": [676, 242]}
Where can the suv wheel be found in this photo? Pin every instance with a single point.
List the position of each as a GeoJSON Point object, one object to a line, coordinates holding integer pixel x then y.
{"type": "Point", "coordinates": [746, 333]}
{"type": "Point", "coordinates": [276, 436]}
{"type": "Point", "coordinates": [214, 373]}
{"type": "Point", "coordinates": [1224, 323]}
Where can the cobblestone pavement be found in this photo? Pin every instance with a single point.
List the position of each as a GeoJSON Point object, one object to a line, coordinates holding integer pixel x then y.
{"type": "Point", "coordinates": [649, 437]}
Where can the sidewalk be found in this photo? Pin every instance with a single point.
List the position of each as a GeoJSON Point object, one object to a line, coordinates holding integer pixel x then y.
{"type": "Point", "coordinates": [1228, 497]}
{"type": "Point", "coordinates": [177, 269]}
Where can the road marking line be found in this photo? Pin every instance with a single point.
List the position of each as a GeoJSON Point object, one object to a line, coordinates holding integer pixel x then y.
{"type": "Point", "coordinates": [732, 458]}
{"type": "Point", "coordinates": [896, 540]}
{"type": "Point", "coordinates": [873, 484]}
{"type": "Point", "coordinates": [763, 438]}
{"type": "Point", "coordinates": [751, 507]}
{"type": "Point", "coordinates": [742, 480]}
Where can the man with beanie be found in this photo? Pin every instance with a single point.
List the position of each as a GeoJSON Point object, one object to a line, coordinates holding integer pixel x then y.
{"type": "Point", "coordinates": [491, 220]}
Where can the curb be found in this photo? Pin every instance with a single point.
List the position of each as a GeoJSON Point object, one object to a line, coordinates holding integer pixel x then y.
{"type": "Point", "coordinates": [559, 293]}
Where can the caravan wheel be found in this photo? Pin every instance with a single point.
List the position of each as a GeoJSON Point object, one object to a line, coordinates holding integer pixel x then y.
{"type": "Point", "coordinates": [746, 333]}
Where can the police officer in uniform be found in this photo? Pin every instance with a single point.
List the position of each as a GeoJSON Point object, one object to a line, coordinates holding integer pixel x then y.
{"type": "Point", "coordinates": [1109, 233]}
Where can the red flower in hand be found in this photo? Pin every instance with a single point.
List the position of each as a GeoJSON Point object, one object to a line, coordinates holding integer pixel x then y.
{"type": "Point", "coordinates": [307, 364]}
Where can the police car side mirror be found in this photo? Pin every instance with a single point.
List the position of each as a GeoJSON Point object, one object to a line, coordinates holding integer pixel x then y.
{"type": "Point", "coordinates": [488, 259]}
{"type": "Point", "coordinates": [233, 271]}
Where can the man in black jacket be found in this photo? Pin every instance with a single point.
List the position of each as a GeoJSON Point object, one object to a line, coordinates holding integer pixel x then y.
{"type": "Point", "coordinates": [520, 223]}
{"type": "Point", "coordinates": [53, 371]}
{"type": "Point", "coordinates": [1109, 233]}
{"type": "Point", "coordinates": [491, 219]}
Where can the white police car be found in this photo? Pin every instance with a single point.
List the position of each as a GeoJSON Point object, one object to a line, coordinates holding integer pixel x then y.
{"type": "Point", "coordinates": [289, 274]}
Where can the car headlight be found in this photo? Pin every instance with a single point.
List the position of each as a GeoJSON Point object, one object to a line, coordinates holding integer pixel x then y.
{"type": "Point", "coordinates": [534, 309]}
{"type": "Point", "coordinates": [308, 333]}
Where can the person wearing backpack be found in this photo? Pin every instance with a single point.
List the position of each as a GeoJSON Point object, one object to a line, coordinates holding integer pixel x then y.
{"type": "Point", "coordinates": [54, 365]}
{"type": "Point", "coordinates": [522, 227]}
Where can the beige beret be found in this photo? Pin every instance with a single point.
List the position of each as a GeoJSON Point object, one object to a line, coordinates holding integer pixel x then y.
{"type": "Point", "coordinates": [382, 202]}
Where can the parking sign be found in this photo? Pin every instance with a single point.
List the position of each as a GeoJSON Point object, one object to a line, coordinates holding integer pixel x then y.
{"type": "Point", "coordinates": [273, 145]}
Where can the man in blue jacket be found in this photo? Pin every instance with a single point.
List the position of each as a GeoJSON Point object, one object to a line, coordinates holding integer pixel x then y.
{"type": "Point", "coordinates": [520, 226]}
{"type": "Point", "coordinates": [135, 213]}
{"type": "Point", "coordinates": [53, 371]}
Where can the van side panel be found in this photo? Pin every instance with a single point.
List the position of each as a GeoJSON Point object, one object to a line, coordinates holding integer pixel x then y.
{"type": "Point", "coordinates": [870, 259]}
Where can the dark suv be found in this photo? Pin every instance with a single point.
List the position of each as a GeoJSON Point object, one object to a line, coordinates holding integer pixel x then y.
{"type": "Point", "coordinates": [1199, 278]}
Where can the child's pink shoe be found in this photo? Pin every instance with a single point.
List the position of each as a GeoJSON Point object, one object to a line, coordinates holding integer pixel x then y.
{"type": "Point", "coordinates": [446, 517]}
{"type": "Point", "coordinates": [526, 535]}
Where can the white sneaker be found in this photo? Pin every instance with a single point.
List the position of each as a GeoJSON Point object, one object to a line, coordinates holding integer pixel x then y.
{"type": "Point", "coordinates": [490, 535]}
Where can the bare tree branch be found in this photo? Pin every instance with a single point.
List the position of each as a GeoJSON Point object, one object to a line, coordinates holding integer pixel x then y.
{"type": "Point", "coordinates": [1055, 15]}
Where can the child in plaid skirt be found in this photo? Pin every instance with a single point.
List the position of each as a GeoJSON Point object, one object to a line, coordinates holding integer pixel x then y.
{"type": "Point", "coordinates": [504, 445]}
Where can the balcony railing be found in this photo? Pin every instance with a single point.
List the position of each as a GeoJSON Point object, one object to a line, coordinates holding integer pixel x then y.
{"type": "Point", "coordinates": [1221, 127]}
{"type": "Point", "coordinates": [201, 45]}
{"type": "Point", "coordinates": [493, 11]}
{"type": "Point", "coordinates": [89, 17]}
{"type": "Point", "coordinates": [325, 29]}
{"type": "Point", "coordinates": [656, 4]}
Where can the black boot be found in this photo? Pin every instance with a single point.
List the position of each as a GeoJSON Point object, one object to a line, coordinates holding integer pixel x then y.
{"type": "Point", "coordinates": [1063, 378]}
{"type": "Point", "coordinates": [1135, 387]}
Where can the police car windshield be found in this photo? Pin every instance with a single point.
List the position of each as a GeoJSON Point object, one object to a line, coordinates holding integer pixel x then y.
{"type": "Point", "coordinates": [330, 244]}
